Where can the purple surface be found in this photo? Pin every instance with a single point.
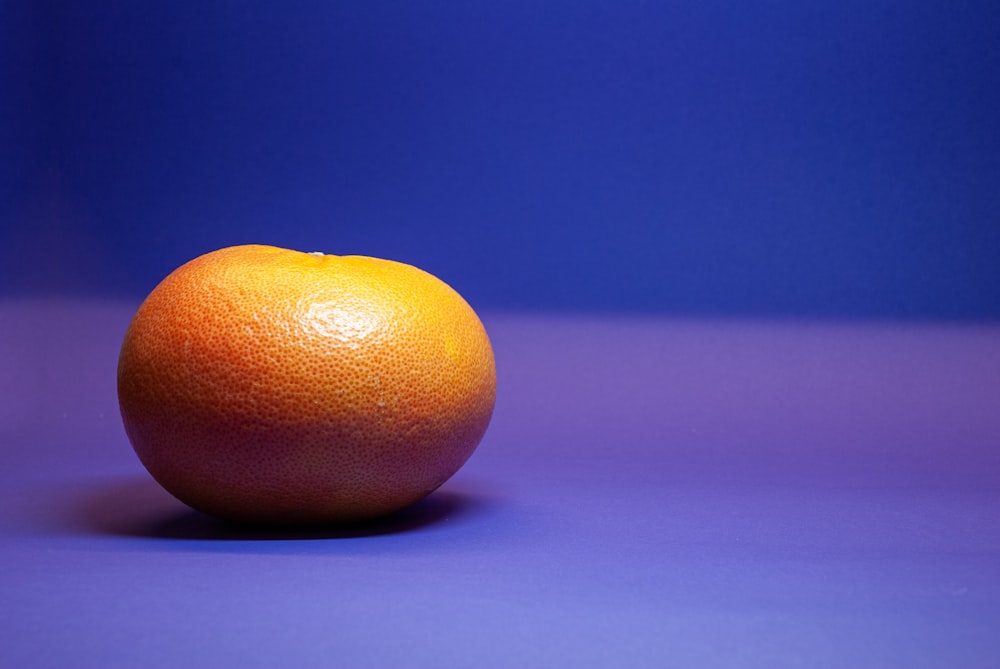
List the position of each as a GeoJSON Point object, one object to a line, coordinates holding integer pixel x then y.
{"type": "Point", "coordinates": [651, 493]}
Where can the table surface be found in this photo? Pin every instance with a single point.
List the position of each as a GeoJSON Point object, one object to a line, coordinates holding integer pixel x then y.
{"type": "Point", "coordinates": [652, 492]}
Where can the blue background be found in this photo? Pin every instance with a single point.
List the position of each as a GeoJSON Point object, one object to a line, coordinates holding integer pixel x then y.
{"type": "Point", "coordinates": [835, 159]}
{"type": "Point", "coordinates": [712, 493]}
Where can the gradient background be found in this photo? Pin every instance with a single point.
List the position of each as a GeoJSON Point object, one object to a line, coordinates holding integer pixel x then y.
{"type": "Point", "coordinates": [823, 158]}
{"type": "Point", "coordinates": [739, 262]}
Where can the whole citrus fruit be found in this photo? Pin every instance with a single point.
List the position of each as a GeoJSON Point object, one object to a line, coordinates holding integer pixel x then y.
{"type": "Point", "coordinates": [266, 385]}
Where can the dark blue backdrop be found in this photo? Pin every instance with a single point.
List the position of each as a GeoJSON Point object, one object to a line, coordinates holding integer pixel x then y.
{"type": "Point", "coordinates": [831, 157]}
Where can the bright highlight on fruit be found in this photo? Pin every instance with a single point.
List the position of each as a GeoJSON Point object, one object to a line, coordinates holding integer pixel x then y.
{"type": "Point", "coordinates": [264, 385]}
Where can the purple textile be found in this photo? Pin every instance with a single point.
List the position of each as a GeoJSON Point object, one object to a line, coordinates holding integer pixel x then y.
{"type": "Point", "coordinates": [652, 492]}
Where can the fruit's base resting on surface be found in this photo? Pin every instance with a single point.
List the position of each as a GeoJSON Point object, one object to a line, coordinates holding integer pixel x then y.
{"type": "Point", "coordinates": [255, 517]}
{"type": "Point", "coordinates": [317, 499]}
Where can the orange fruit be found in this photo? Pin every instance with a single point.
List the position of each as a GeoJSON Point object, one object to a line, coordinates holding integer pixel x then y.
{"type": "Point", "coordinates": [260, 384]}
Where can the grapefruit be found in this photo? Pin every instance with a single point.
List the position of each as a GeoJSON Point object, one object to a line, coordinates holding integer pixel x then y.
{"type": "Point", "coordinates": [265, 385]}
